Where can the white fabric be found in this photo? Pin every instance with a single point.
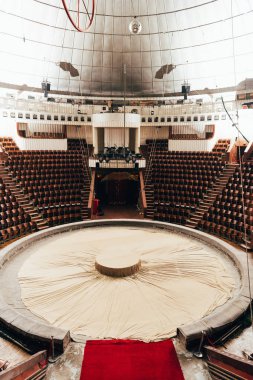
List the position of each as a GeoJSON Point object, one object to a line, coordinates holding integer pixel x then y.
{"type": "Point", "coordinates": [180, 281]}
{"type": "Point", "coordinates": [115, 136]}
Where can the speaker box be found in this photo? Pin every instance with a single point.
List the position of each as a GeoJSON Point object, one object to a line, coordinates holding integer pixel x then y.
{"type": "Point", "coordinates": [185, 89]}
{"type": "Point", "coordinates": [136, 165]}
{"type": "Point", "coordinates": [97, 165]}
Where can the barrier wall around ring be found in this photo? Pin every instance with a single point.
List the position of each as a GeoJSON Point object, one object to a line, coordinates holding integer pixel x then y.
{"type": "Point", "coordinates": [36, 333]}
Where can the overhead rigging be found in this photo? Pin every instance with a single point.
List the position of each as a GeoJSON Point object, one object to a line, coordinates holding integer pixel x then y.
{"type": "Point", "coordinates": [87, 15]}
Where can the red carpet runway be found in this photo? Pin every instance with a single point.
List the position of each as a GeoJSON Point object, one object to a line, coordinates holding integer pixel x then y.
{"type": "Point", "coordinates": [130, 360]}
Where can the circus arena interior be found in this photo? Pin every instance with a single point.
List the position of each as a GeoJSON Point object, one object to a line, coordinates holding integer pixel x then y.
{"type": "Point", "coordinates": [126, 189]}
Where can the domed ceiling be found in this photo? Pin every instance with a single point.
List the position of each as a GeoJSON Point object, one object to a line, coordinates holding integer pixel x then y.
{"type": "Point", "coordinates": [208, 43]}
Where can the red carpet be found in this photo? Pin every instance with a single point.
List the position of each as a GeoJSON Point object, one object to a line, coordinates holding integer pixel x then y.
{"type": "Point", "coordinates": [130, 360]}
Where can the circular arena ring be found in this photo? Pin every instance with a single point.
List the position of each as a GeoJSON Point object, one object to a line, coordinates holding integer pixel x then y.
{"type": "Point", "coordinates": [122, 279]}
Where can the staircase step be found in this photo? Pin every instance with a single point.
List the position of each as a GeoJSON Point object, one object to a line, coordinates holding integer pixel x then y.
{"type": "Point", "coordinates": [191, 225]}
{"type": "Point", "coordinates": [42, 227]}
{"type": "Point", "coordinates": [195, 219]}
{"type": "Point", "coordinates": [40, 224]}
{"type": "Point", "coordinates": [36, 218]}
{"type": "Point", "coordinates": [203, 208]}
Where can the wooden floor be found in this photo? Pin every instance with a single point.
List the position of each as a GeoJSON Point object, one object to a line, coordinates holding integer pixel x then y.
{"type": "Point", "coordinates": [11, 352]}
{"type": "Point", "coordinates": [119, 212]}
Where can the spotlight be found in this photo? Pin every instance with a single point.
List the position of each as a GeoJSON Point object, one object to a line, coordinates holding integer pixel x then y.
{"type": "Point", "coordinates": [185, 89]}
{"type": "Point", "coordinates": [135, 26]}
{"type": "Point", "coordinates": [45, 86]}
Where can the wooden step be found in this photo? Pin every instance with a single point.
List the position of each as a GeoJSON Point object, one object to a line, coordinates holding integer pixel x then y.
{"type": "Point", "coordinates": [195, 219]}
{"type": "Point", "coordinates": [42, 227]}
{"type": "Point", "coordinates": [191, 225]}
{"type": "Point", "coordinates": [222, 373]}
{"type": "Point", "coordinates": [41, 222]}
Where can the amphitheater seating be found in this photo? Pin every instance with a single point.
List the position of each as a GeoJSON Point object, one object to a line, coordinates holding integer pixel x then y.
{"type": "Point", "coordinates": [159, 144]}
{"type": "Point", "coordinates": [14, 221]}
{"type": "Point", "coordinates": [185, 136]}
{"type": "Point", "coordinates": [221, 146]}
{"type": "Point", "coordinates": [55, 181]}
{"type": "Point", "coordinates": [180, 180]}
{"type": "Point", "coordinates": [80, 145]}
{"type": "Point", "coordinates": [226, 216]}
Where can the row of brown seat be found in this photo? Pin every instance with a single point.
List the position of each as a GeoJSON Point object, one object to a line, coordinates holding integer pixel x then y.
{"type": "Point", "coordinates": [231, 214]}
{"type": "Point", "coordinates": [182, 178]}
{"type": "Point", "coordinates": [10, 233]}
{"type": "Point", "coordinates": [20, 155]}
{"type": "Point", "coordinates": [62, 173]}
{"type": "Point", "coordinates": [222, 231]}
{"type": "Point", "coordinates": [170, 184]}
{"type": "Point", "coordinates": [14, 221]}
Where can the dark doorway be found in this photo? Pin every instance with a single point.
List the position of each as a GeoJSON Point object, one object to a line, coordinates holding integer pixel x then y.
{"type": "Point", "coordinates": [117, 191]}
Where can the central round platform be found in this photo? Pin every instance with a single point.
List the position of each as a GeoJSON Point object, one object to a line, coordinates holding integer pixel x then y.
{"type": "Point", "coordinates": [68, 278]}
{"type": "Point", "coordinates": [115, 263]}
{"type": "Point", "coordinates": [181, 280]}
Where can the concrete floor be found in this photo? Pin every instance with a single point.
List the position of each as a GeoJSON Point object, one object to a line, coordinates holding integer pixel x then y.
{"type": "Point", "coordinates": [68, 366]}
{"type": "Point", "coordinates": [119, 212]}
{"type": "Point", "coordinates": [244, 342]}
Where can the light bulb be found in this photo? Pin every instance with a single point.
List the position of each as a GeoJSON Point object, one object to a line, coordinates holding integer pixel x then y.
{"type": "Point", "coordinates": [135, 26]}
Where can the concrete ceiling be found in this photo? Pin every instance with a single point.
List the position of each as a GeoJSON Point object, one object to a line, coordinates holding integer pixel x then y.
{"type": "Point", "coordinates": [207, 42]}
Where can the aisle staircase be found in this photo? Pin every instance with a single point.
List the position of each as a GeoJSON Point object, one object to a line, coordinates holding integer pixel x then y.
{"type": "Point", "coordinates": [85, 200]}
{"type": "Point", "coordinates": [211, 195]}
{"type": "Point", "coordinates": [147, 176]}
{"type": "Point", "coordinates": [21, 197]}
{"type": "Point", "coordinates": [149, 191]}
{"type": "Point", "coordinates": [81, 146]}
{"type": "Point", "coordinates": [86, 191]}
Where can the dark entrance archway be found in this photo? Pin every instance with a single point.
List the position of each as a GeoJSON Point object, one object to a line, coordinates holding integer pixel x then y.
{"type": "Point", "coordinates": [118, 192]}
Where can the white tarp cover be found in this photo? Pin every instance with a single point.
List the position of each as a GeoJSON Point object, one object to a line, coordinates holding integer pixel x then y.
{"type": "Point", "coordinates": [180, 281]}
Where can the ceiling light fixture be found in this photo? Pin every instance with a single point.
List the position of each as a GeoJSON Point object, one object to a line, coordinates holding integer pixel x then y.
{"type": "Point", "coordinates": [135, 26]}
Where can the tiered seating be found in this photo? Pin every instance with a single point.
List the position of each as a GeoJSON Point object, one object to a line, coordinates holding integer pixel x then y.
{"type": "Point", "coordinates": [80, 145]}
{"type": "Point", "coordinates": [53, 180]}
{"type": "Point", "coordinates": [8, 144]}
{"type": "Point", "coordinates": [185, 136]}
{"type": "Point", "coordinates": [160, 144]}
{"type": "Point", "coordinates": [144, 150]}
{"type": "Point", "coordinates": [221, 146]}
{"type": "Point", "coordinates": [47, 135]}
{"type": "Point", "coordinates": [181, 179]}
{"type": "Point", "coordinates": [225, 217]}
{"type": "Point", "coordinates": [14, 221]}
{"type": "Point", "coordinates": [251, 157]}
